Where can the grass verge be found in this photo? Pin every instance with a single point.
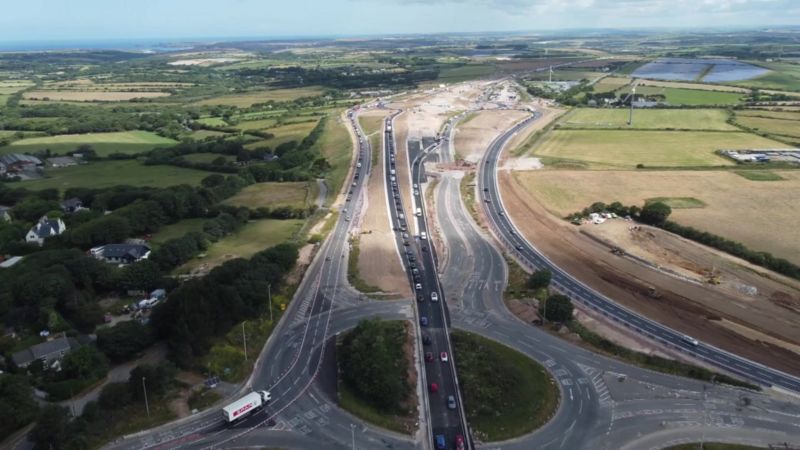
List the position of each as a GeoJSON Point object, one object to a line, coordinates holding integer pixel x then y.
{"type": "Point", "coordinates": [603, 345]}
{"type": "Point", "coordinates": [353, 277]}
{"type": "Point", "coordinates": [506, 394]}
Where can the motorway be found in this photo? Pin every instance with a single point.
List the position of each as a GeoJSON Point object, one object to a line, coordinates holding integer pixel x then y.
{"type": "Point", "coordinates": [525, 252]}
{"type": "Point", "coordinates": [605, 404]}
{"type": "Point", "coordinates": [445, 421]}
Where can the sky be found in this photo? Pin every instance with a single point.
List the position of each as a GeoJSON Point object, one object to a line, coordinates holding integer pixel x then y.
{"type": "Point", "coordinates": [51, 20]}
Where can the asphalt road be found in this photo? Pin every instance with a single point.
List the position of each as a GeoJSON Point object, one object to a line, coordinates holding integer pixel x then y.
{"type": "Point", "coordinates": [527, 253]}
{"type": "Point", "coordinates": [444, 420]}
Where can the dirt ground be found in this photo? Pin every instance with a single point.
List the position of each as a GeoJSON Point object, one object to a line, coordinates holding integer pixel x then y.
{"type": "Point", "coordinates": [379, 263]}
{"type": "Point", "coordinates": [695, 309]}
{"type": "Point", "coordinates": [473, 137]}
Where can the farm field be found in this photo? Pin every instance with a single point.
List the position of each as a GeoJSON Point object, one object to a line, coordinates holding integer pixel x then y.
{"type": "Point", "coordinates": [250, 239]}
{"type": "Point", "coordinates": [297, 194]}
{"type": "Point", "coordinates": [285, 133]}
{"type": "Point", "coordinates": [176, 230]}
{"type": "Point", "coordinates": [112, 173]}
{"type": "Point", "coordinates": [608, 149]}
{"type": "Point", "coordinates": [466, 72]}
{"type": "Point", "coordinates": [246, 100]}
{"type": "Point", "coordinates": [203, 134]}
{"type": "Point", "coordinates": [690, 119]}
{"type": "Point", "coordinates": [213, 121]}
{"type": "Point", "coordinates": [130, 142]}
{"type": "Point", "coordinates": [689, 97]}
{"type": "Point", "coordinates": [90, 96]}
{"type": "Point", "coordinates": [775, 126]}
{"type": "Point", "coordinates": [784, 76]}
{"type": "Point", "coordinates": [256, 124]}
{"type": "Point", "coordinates": [693, 86]}
{"type": "Point", "coordinates": [726, 195]}
{"type": "Point", "coordinates": [609, 84]}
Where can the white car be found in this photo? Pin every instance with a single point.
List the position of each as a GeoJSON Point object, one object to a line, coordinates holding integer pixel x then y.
{"type": "Point", "coordinates": [434, 297]}
{"type": "Point", "coordinates": [416, 192]}
{"type": "Point", "coordinates": [418, 287]}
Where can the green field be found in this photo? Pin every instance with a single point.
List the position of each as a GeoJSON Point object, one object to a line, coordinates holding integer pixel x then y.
{"type": "Point", "coordinates": [176, 230]}
{"type": "Point", "coordinates": [677, 202]}
{"type": "Point", "coordinates": [689, 97]}
{"type": "Point", "coordinates": [608, 149]}
{"type": "Point", "coordinates": [204, 134]}
{"type": "Point", "coordinates": [506, 394]}
{"type": "Point", "coordinates": [248, 99]}
{"type": "Point", "coordinates": [759, 175]}
{"type": "Point", "coordinates": [256, 124]}
{"type": "Point", "coordinates": [130, 142]}
{"type": "Point", "coordinates": [250, 239]}
{"type": "Point", "coordinates": [105, 174]}
{"type": "Point", "coordinates": [213, 121]}
{"type": "Point", "coordinates": [688, 119]}
{"type": "Point", "coordinates": [784, 76]}
{"type": "Point", "coordinates": [466, 72]}
{"type": "Point", "coordinates": [284, 133]}
{"type": "Point", "coordinates": [273, 195]}
{"type": "Point", "coordinates": [772, 126]}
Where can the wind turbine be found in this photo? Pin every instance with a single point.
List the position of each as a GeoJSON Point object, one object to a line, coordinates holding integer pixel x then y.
{"type": "Point", "coordinates": [631, 96]}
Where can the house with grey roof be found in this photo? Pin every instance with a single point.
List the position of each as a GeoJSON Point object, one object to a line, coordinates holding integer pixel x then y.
{"type": "Point", "coordinates": [5, 213]}
{"type": "Point", "coordinates": [48, 352]}
{"type": "Point", "coordinates": [15, 162]}
{"type": "Point", "coordinates": [44, 229]}
{"type": "Point", "coordinates": [121, 253]}
{"type": "Point", "coordinates": [71, 205]}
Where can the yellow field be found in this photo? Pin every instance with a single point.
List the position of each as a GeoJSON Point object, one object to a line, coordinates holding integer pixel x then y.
{"type": "Point", "coordinates": [247, 100]}
{"type": "Point", "coordinates": [780, 127]}
{"type": "Point", "coordinates": [609, 84]}
{"type": "Point", "coordinates": [759, 214]}
{"type": "Point", "coordinates": [90, 96]}
{"type": "Point", "coordinates": [700, 86]}
{"type": "Point", "coordinates": [678, 119]}
{"type": "Point", "coordinates": [609, 149]}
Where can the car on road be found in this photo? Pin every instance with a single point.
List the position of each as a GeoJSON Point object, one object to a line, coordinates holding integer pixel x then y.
{"type": "Point", "coordinates": [485, 189]}
{"type": "Point", "coordinates": [451, 402]}
{"type": "Point", "coordinates": [420, 298]}
{"type": "Point", "coordinates": [434, 387]}
{"type": "Point", "coordinates": [426, 340]}
{"type": "Point", "coordinates": [424, 248]}
{"type": "Point", "coordinates": [443, 356]}
{"type": "Point", "coordinates": [416, 192]}
{"type": "Point", "coordinates": [406, 243]}
{"type": "Point", "coordinates": [416, 186]}
{"type": "Point", "coordinates": [519, 247]}
{"type": "Point", "coordinates": [423, 321]}
{"type": "Point", "coordinates": [347, 219]}
{"type": "Point", "coordinates": [327, 258]}
{"type": "Point", "coordinates": [440, 442]}
{"type": "Point", "coordinates": [412, 258]}
{"type": "Point", "coordinates": [459, 442]}
{"type": "Point", "coordinates": [434, 296]}
{"type": "Point", "coordinates": [428, 356]}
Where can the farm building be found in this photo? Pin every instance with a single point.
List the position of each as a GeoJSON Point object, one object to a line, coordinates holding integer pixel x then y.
{"type": "Point", "coordinates": [71, 205]}
{"type": "Point", "coordinates": [62, 161]}
{"type": "Point", "coordinates": [15, 162]}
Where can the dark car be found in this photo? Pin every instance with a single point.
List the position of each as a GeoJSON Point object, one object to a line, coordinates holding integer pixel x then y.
{"type": "Point", "coordinates": [459, 442]}
{"type": "Point", "coordinates": [426, 340]}
{"type": "Point", "coordinates": [424, 322]}
{"type": "Point", "coordinates": [428, 356]}
{"type": "Point", "coordinates": [420, 298]}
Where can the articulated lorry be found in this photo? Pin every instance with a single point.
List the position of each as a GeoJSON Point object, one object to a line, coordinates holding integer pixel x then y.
{"type": "Point", "coordinates": [245, 405]}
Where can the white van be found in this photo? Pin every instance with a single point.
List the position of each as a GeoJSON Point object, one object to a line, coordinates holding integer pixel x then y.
{"type": "Point", "coordinates": [419, 212]}
{"type": "Point", "coordinates": [423, 235]}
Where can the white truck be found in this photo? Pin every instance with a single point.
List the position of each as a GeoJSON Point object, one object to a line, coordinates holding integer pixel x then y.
{"type": "Point", "coordinates": [245, 405]}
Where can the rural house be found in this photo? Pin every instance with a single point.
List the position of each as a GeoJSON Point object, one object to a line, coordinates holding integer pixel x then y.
{"type": "Point", "coordinates": [62, 161]}
{"type": "Point", "coordinates": [48, 352]}
{"type": "Point", "coordinates": [44, 229]}
{"type": "Point", "coordinates": [121, 253]}
{"type": "Point", "coordinates": [71, 205]}
{"type": "Point", "coordinates": [5, 213]}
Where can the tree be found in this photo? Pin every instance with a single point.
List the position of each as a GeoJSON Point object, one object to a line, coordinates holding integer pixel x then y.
{"type": "Point", "coordinates": [655, 213]}
{"type": "Point", "coordinates": [17, 407]}
{"type": "Point", "coordinates": [557, 308]}
{"type": "Point", "coordinates": [50, 431]}
{"type": "Point", "coordinates": [143, 275]}
{"type": "Point", "coordinates": [158, 379]}
{"type": "Point", "coordinates": [540, 279]}
{"type": "Point", "coordinates": [86, 362]}
{"type": "Point", "coordinates": [114, 395]}
{"type": "Point", "coordinates": [124, 340]}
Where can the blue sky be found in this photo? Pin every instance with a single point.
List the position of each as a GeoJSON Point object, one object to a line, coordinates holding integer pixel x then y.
{"type": "Point", "coordinates": [31, 20]}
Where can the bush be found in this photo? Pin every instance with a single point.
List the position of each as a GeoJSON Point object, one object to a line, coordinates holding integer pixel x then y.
{"type": "Point", "coordinates": [124, 340]}
{"type": "Point", "coordinates": [539, 279]}
{"type": "Point", "coordinates": [655, 213]}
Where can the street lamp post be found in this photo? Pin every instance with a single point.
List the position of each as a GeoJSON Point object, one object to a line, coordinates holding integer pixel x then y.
{"type": "Point", "coordinates": [244, 340]}
{"type": "Point", "coordinates": [353, 434]}
{"type": "Point", "coordinates": [144, 389]}
{"type": "Point", "coordinates": [269, 296]}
